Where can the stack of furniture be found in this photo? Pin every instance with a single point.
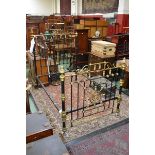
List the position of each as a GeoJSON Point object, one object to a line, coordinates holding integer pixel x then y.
{"type": "Point", "coordinates": [86, 28]}
{"type": "Point", "coordinates": [93, 25]}
{"type": "Point", "coordinates": [69, 39]}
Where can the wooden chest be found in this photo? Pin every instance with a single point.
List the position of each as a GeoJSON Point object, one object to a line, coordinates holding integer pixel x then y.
{"type": "Point", "coordinates": [37, 127]}
{"type": "Point", "coordinates": [103, 49]}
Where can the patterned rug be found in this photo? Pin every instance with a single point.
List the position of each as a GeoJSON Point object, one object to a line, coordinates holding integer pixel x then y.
{"type": "Point", "coordinates": [112, 140]}
{"type": "Point", "coordinates": [90, 124]}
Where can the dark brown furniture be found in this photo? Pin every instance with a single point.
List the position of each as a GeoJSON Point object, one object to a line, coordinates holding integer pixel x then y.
{"type": "Point", "coordinates": [122, 45]}
{"type": "Point", "coordinates": [37, 127]}
{"type": "Point", "coordinates": [51, 145]}
{"type": "Point", "coordinates": [93, 24]}
{"type": "Point", "coordinates": [82, 40]}
{"type": "Point", "coordinates": [81, 54]}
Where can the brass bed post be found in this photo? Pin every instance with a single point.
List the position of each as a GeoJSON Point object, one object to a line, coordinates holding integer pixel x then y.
{"type": "Point", "coordinates": [63, 114]}
{"type": "Point", "coordinates": [121, 82]}
{"type": "Point", "coordinates": [35, 63]}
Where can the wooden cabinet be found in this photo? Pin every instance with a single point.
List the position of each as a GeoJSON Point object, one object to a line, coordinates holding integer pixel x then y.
{"type": "Point", "coordinates": [81, 55]}
{"type": "Point", "coordinates": [122, 45]}
{"type": "Point", "coordinates": [82, 40]}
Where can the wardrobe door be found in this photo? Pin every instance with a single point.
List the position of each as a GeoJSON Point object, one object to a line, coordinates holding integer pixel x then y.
{"type": "Point", "coordinates": [82, 40]}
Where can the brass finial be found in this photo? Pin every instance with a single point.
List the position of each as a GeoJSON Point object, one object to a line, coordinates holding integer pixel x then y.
{"type": "Point", "coordinates": [61, 70]}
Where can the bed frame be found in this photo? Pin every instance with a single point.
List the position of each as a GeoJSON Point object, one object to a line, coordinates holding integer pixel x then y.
{"type": "Point", "coordinates": [81, 93]}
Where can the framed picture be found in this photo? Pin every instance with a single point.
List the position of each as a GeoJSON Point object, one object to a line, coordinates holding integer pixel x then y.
{"type": "Point", "coordinates": [99, 6]}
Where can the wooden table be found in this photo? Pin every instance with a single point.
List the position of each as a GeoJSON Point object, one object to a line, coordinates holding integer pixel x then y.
{"type": "Point", "coordinates": [51, 145]}
{"type": "Point", "coordinates": [37, 127]}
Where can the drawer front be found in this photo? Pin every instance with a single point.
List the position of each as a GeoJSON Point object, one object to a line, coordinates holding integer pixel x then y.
{"type": "Point", "coordinates": [35, 136]}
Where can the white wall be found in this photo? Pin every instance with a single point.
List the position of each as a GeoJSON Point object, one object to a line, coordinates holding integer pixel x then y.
{"type": "Point", "coordinates": [40, 7]}
{"type": "Point", "coordinates": [73, 7]}
{"type": "Point", "coordinates": [57, 6]}
{"type": "Point", "coordinates": [123, 7]}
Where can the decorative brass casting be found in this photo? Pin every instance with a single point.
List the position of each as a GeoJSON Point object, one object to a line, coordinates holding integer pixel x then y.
{"type": "Point", "coordinates": [63, 97]}
{"type": "Point", "coordinates": [121, 82]}
{"type": "Point", "coordinates": [95, 98]}
{"type": "Point", "coordinates": [62, 76]}
{"type": "Point", "coordinates": [63, 116]}
{"type": "Point", "coordinates": [97, 67]}
{"type": "Point", "coordinates": [123, 65]}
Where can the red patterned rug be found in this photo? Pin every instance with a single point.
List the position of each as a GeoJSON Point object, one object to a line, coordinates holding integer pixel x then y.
{"type": "Point", "coordinates": [112, 140]}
